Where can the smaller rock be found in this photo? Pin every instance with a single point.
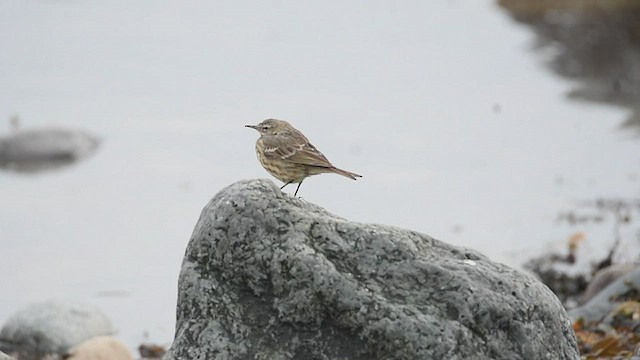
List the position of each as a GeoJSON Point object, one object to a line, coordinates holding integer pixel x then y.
{"type": "Point", "coordinates": [604, 277]}
{"type": "Point", "coordinates": [100, 348]}
{"type": "Point", "coordinates": [151, 351]}
{"type": "Point", "coordinates": [52, 328]}
{"type": "Point", "coordinates": [601, 304]}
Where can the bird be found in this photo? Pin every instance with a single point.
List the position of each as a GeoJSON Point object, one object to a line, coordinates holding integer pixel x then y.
{"type": "Point", "coordinates": [289, 156]}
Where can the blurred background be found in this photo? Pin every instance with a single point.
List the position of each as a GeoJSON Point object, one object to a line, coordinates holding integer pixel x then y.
{"type": "Point", "coordinates": [505, 126]}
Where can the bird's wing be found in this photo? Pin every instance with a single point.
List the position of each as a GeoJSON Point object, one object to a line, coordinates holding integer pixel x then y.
{"type": "Point", "coordinates": [294, 149]}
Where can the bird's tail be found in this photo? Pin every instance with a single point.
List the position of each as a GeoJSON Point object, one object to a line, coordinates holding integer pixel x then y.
{"type": "Point", "coordinates": [345, 173]}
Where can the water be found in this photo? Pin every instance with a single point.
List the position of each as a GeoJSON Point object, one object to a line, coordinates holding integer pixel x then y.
{"type": "Point", "coordinates": [458, 129]}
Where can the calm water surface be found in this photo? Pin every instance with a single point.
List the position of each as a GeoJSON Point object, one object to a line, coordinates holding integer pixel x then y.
{"type": "Point", "coordinates": [459, 130]}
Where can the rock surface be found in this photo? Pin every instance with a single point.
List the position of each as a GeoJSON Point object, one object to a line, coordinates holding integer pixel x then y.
{"type": "Point", "coordinates": [270, 276]}
{"type": "Point", "coordinates": [51, 328]}
{"type": "Point", "coordinates": [42, 149]}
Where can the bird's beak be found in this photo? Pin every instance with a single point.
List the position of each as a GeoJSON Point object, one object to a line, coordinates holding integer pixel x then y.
{"type": "Point", "coordinates": [255, 127]}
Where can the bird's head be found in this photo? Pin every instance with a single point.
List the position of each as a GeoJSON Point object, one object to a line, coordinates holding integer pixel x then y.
{"type": "Point", "coordinates": [271, 127]}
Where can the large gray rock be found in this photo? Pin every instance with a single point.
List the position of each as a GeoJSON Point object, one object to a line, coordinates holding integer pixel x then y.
{"type": "Point", "coordinates": [270, 276]}
{"type": "Point", "coordinates": [43, 149]}
{"type": "Point", "coordinates": [51, 328]}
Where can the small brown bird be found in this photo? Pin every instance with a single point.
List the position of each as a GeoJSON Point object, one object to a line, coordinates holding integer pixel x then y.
{"type": "Point", "coordinates": [289, 156]}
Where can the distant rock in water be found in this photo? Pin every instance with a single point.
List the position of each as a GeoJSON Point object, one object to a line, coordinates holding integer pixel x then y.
{"type": "Point", "coordinates": [45, 149]}
{"type": "Point", "coordinates": [596, 43]}
{"type": "Point", "coordinates": [270, 276]}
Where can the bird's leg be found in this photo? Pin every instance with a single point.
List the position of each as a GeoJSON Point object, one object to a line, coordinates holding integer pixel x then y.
{"type": "Point", "coordinates": [287, 184]}
{"type": "Point", "coordinates": [298, 188]}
